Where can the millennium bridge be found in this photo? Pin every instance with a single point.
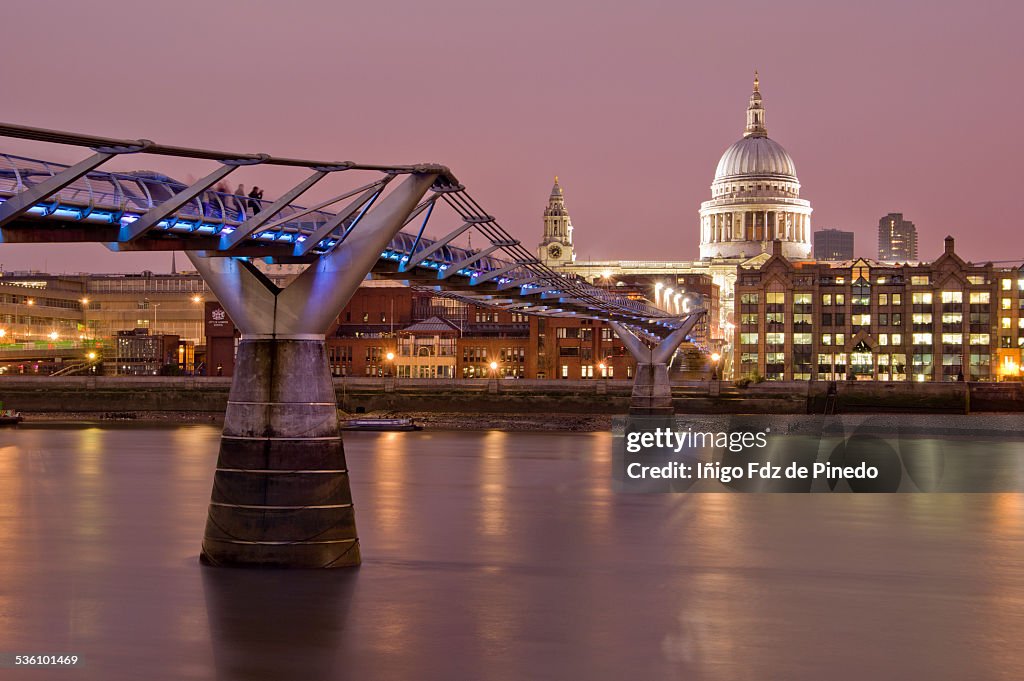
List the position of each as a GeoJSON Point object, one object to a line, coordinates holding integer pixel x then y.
{"type": "Point", "coordinates": [281, 492]}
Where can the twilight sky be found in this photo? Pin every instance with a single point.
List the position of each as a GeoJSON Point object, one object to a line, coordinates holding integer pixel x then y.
{"type": "Point", "coordinates": [885, 105]}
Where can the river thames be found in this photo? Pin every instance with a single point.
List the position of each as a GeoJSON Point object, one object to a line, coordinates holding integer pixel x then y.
{"type": "Point", "coordinates": [496, 555]}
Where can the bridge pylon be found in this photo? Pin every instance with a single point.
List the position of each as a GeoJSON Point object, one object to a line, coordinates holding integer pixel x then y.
{"type": "Point", "coordinates": [652, 389]}
{"type": "Point", "coordinates": [281, 495]}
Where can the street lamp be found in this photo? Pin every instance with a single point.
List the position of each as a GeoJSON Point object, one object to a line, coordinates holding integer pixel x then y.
{"type": "Point", "coordinates": [197, 299]}
{"type": "Point", "coordinates": [152, 328]}
{"type": "Point", "coordinates": [85, 314]}
{"type": "Point", "coordinates": [715, 357]}
{"type": "Point", "coordinates": [54, 335]}
{"type": "Point", "coordinates": [494, 369]}
{"type": "Point", "coordinates": [391, 358]}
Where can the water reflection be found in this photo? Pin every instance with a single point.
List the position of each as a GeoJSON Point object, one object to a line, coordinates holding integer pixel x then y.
{"type": "Point", "coordinates": [278, 624]}
{"type": "Point", "coordinates": [502, 556]}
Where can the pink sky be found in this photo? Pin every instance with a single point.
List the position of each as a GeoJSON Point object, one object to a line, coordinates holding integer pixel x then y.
{"type": "Point", "coordinates": [885, 106]}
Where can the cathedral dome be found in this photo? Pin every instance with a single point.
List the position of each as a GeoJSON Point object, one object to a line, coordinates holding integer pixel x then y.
{"type": "Point", "coordinates": [755, 197]}
{"type": "Point", "coordinates": [755, 155]}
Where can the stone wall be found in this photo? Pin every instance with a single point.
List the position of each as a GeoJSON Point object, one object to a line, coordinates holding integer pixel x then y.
{"type": "Point", "coordinates": [209, 395]}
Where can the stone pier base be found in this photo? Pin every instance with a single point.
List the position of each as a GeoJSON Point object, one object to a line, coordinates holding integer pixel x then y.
{"type": "Point", "coordinates": [281, 494]}
{"type": "Point", "coordinates": [652, 391]}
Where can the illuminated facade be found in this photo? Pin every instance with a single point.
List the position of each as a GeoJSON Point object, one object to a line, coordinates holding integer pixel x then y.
{"type": "Point", "coordinates": [897, 239]}
{"type": "Point", "coordinates": [556, 250]}
{"type": "Point", "coordinates": [755, 197]}
{"type": "Point", "coordinates": [866, 320]}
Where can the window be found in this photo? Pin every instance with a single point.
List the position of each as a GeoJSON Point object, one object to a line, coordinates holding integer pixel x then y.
{"type": "Point", "coordinates": [952, 296]}
{"type": "Point", "coordinates": [922, 339]}
{"type": "Point", "coordinates": [1004, 323]}
{"type": "Point", "coordinates": [883, 339]}
{"type": "Point", "coordinates": [801, 339]}
{"type": "Point", "coordinates": [976, 279]}
{"type": "Point", "coordinates": [826, 299]}
{"type": "Point", "coordinates": [979, 297]}
{"type": "Point", "coordinates": [748, 339]}
{"type": "Point", "coordinates": [952, 339]}
{"type": "Point", "coordinates": [1006, 284]}
{"type": "Point", "coordinates": [775, 338]}
{"type": "Point", "coordinates": [802, 299]}
{"type": "Point", "coordinates": [883, 298]}
{"type": "Point", "coordinates": [826, 339]}
{"type": "Point", "coordinates": [897, 339]}
{"type": "Point", "coordinates": [897, 299]}
{"type": "Point", "coordinates": [775, 298]}
{"type": "Point", "coordinates": [565, 371]}
{"type": "Point", "coordinates": [1004, 304]}
{"type": "Point", "coordinates": [979, 339]}
{"type": "Point", "coordinates": [861, 320]}
{"type": "Point", "coordinates": [922, 298]}
{"type": "Point", "coordinates": [919, 280]}
{"type": "Point", "coordinates": [750, 298]}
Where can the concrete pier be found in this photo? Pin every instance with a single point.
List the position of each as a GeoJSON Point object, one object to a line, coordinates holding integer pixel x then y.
{"type": "Point", "coordinates": [652, 389]}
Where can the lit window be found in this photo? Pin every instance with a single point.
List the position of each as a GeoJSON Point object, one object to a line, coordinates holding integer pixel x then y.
{"type": "Point", "coordinates": [1004, 303]}
{"type": "Point", "coordinates": [1007, 284]}
{"type": "Point", "coordinates": [952, 296]}
{"type": "Point", "coordinates": [919, 280]}
{"type": "Point", "coordinates": [979, 297]}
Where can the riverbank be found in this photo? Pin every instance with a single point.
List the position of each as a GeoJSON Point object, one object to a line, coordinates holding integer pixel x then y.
{"type": "Point", "coordinates": [496, 400]}
{"type": "Point", "coordinates": [1004, 425]}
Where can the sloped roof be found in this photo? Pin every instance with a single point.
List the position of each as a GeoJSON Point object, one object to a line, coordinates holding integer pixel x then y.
{"type": "Point", "coordinates": [431, 325]}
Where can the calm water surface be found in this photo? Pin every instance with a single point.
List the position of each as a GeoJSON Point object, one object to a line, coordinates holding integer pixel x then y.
{"type": "Point", "coordinates": [493, 555]}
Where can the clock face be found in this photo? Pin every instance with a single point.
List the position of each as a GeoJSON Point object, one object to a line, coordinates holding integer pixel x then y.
{"type": "Point", "coordinates": [555, 251]}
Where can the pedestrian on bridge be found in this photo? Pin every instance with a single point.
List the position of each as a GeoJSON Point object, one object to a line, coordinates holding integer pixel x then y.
{"type": "Point", "coordinates": [255, 196]}
{"type": "Point", "coordinates": [240, 201]}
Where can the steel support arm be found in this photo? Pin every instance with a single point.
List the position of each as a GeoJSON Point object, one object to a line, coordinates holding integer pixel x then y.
{"type": "Point", "coordinates": [418, 257]}
{"type": "Point", "coordinates": [324, 230]}
{"type": "Point", "coordinates": [466, 262]}
{"type": "Point", "coordinates": [20, 203]}
{"type": "Point", "coordinates": [314, 299]}
{"type": "Point", "coordinates": [153, 216]}
{"type": "Point", "coordinates": [494, 274]}
{"type": "Point", "coordinates": [244, 230]}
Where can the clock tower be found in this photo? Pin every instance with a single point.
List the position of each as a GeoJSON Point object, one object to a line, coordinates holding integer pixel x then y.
{"type": "Point", "coordinates": [556, 248]}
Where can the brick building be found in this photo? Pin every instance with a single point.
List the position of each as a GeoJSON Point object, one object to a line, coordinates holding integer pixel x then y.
{"type": "Point", "coordinates": [867, 320]}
